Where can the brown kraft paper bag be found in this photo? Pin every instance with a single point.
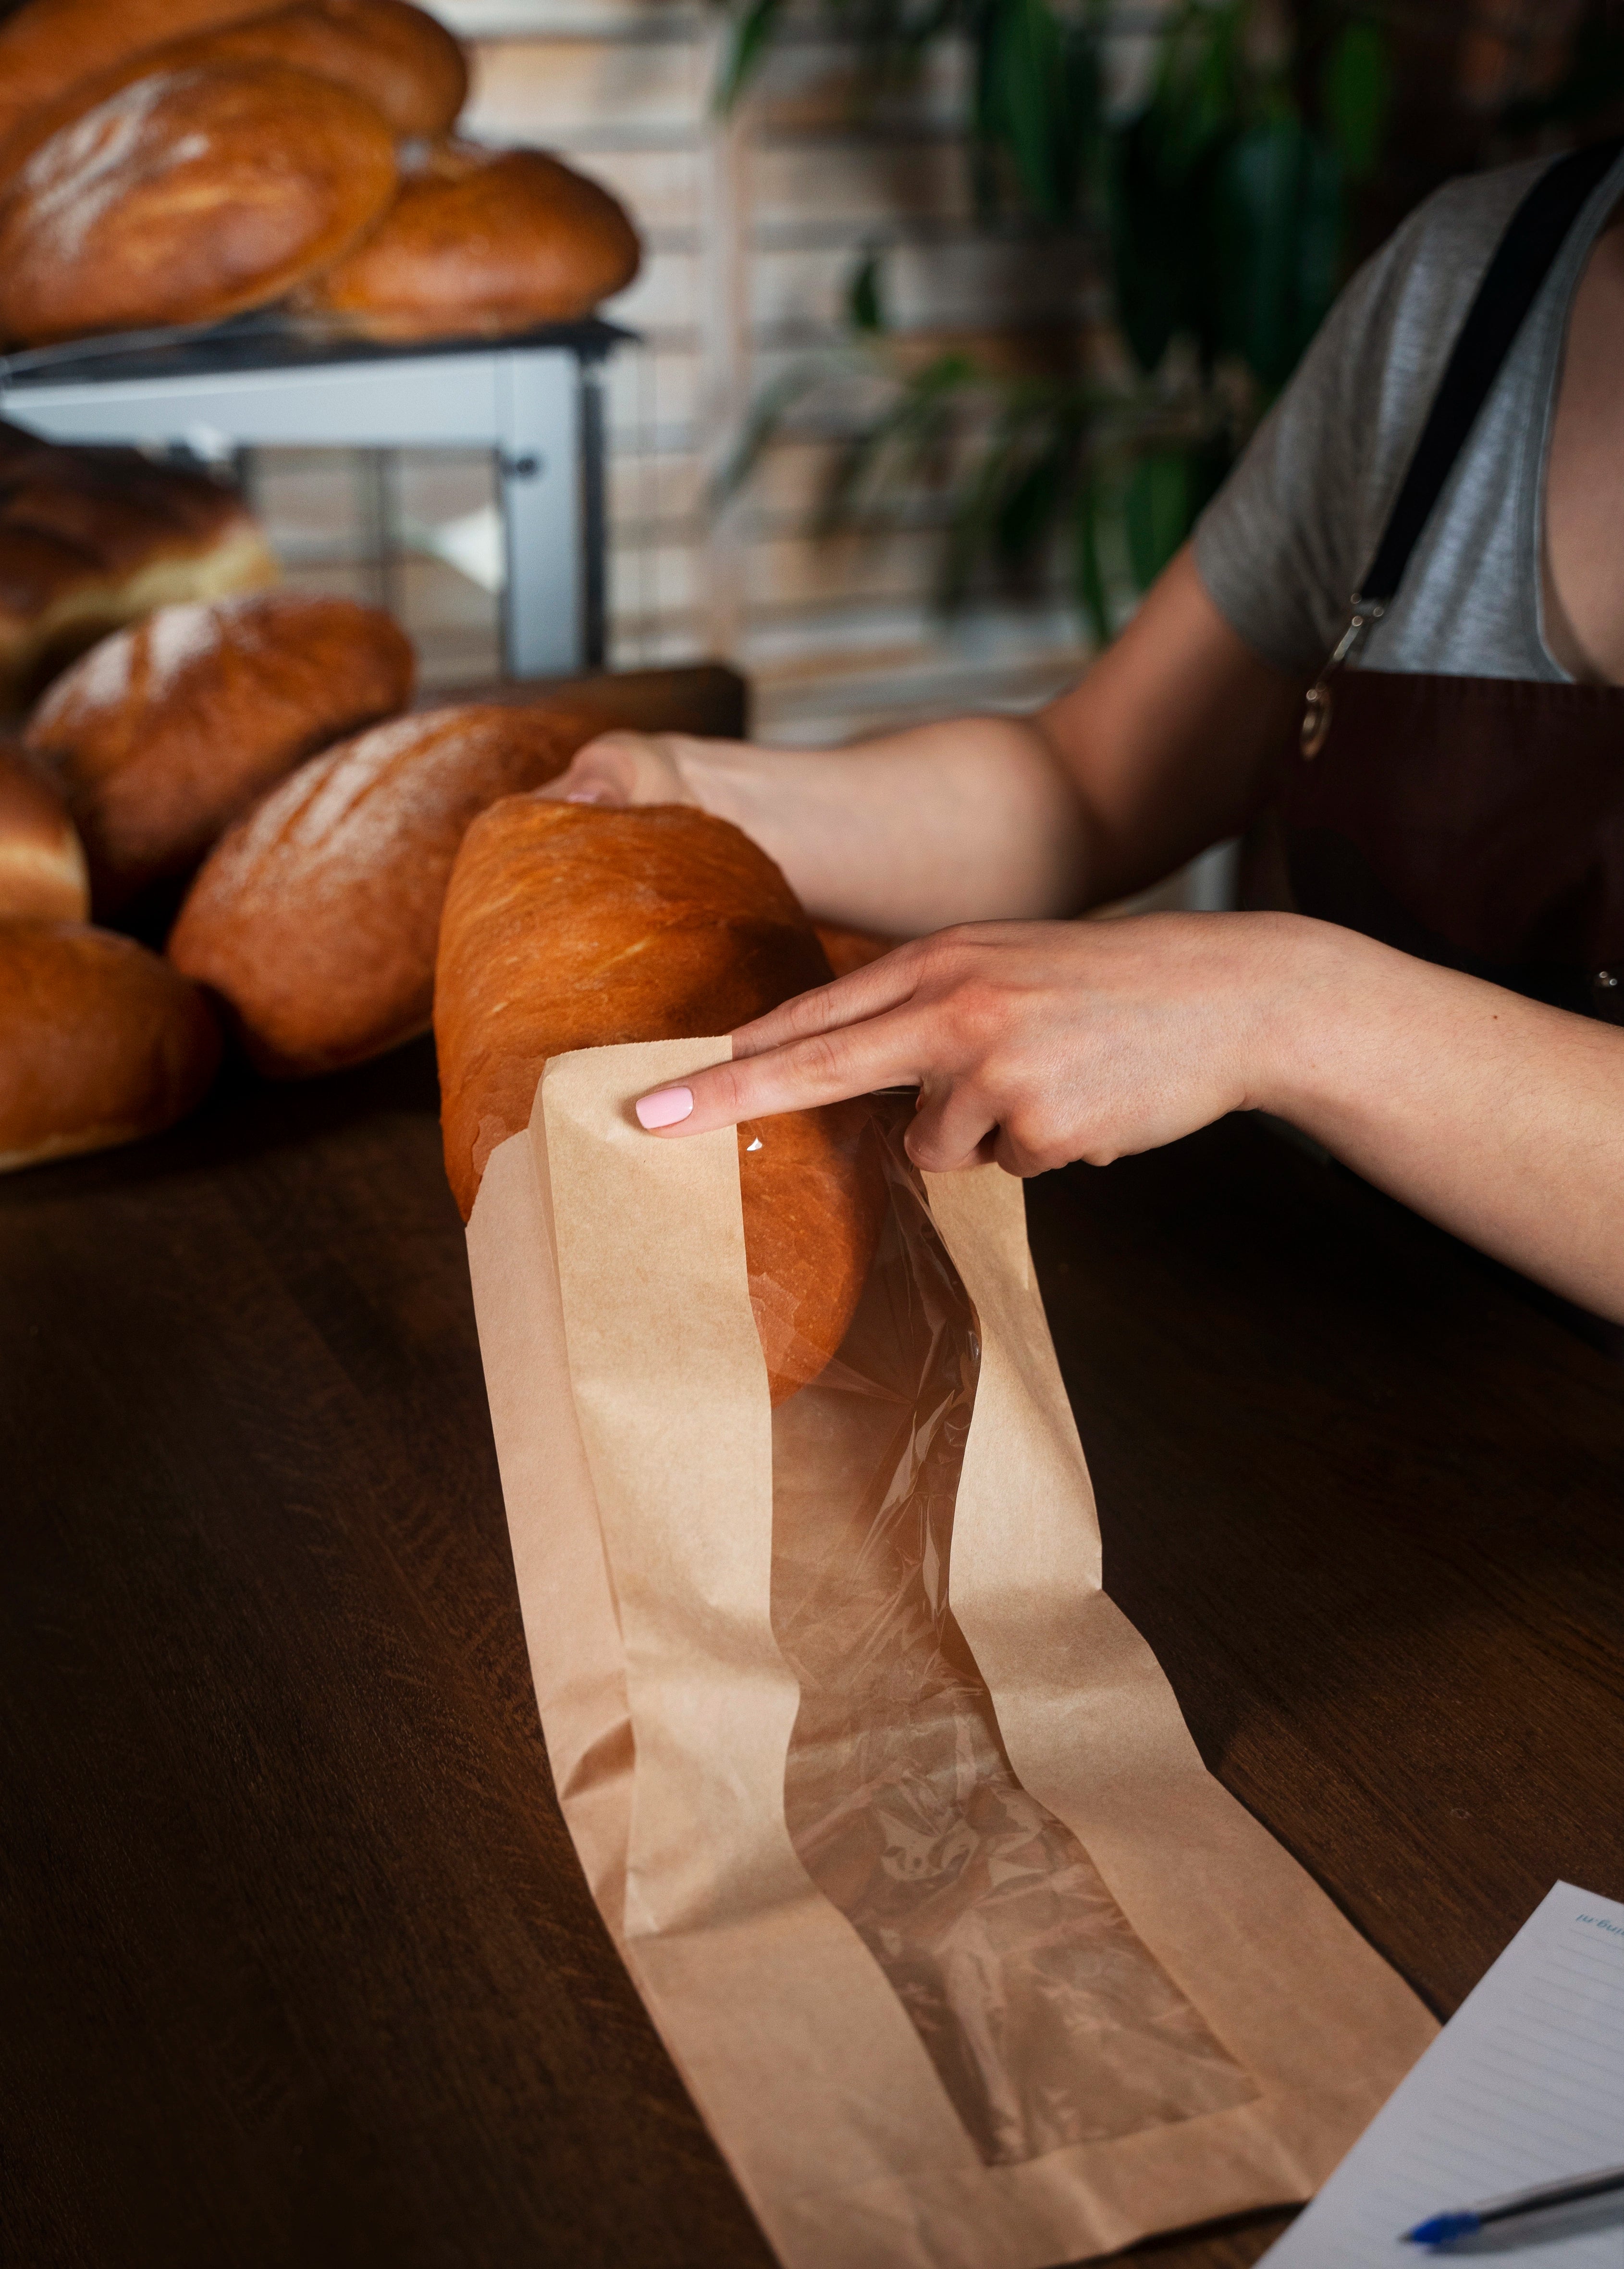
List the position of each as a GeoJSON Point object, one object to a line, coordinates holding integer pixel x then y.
{"type": "Point", "coordinates": [966, 1960]}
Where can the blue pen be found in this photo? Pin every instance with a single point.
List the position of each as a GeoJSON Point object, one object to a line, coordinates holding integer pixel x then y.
{"type": "Point", "coordinates": [1466, 2222]}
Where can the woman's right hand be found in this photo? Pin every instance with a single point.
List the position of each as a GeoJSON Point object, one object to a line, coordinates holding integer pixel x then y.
{"type": "Point", "coordinates": [625, 768]}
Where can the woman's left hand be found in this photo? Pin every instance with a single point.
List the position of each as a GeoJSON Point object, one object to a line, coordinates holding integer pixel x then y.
{"type": "Point", "coordinates": [1034, 1043]}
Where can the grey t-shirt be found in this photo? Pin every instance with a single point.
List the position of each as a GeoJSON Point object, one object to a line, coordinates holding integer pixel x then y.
{"type": "Point", "coordinates": [1284, 544]}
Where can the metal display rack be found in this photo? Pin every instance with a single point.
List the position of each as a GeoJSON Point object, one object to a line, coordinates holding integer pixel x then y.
{"type": "Point", "coordinates": [268, 379]}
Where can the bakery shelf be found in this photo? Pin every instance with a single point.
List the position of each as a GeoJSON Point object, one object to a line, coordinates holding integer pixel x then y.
{"type": "Point", "coordinates": [268, 379]}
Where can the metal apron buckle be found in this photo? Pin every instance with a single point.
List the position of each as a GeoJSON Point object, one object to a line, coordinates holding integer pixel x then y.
{"type": "Point", "coordinates": [1314, 729]}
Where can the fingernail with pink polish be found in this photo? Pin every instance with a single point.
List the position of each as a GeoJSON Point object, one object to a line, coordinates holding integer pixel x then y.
{"type": "Point", "coordinates": [665, 1106]}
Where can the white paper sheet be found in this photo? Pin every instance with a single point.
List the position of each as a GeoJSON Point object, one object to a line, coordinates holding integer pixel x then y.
{"type": "Point", "coordinates": [1524, 2085]}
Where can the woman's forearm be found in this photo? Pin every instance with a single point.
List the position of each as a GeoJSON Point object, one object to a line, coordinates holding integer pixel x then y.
{"type": "Point", "coordinates": [1161, 748]}
{"type": "Point", "coordinates": [972, 820]}
{"type": "Point", "coordinates": [1497, 1117]}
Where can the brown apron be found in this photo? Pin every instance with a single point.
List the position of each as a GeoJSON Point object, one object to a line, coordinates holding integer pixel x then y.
{"type": "Point", "coordinates": [1478, 822]}
{"type": "Point", "coordinates": [1474, 822]}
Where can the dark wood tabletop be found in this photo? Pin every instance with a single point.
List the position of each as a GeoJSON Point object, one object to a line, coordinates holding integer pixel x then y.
{"type": "Point", "coordinates": [301, 1967]}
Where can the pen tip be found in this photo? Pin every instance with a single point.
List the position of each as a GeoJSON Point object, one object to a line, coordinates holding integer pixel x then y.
{"type": "Point", "coordinates": [1441, 2228]}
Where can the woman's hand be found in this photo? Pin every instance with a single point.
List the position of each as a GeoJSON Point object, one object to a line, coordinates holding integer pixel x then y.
{"type": "Point", "coordinates": [1036, 1043]}
{"type": "Point", "coordinates": [625, 767]}
{"type": "Point", "coordinates": [1032, 1042]}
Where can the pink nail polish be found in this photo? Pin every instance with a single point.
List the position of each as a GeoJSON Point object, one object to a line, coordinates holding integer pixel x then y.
{"type": "Point", "coordinates": [665, 1106]}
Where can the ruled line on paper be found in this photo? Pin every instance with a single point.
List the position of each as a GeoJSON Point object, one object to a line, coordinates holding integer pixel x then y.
{"type": "Point", "coordinates": [1525, 2085]}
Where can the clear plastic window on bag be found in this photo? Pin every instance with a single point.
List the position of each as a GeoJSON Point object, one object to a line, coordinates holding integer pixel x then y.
{"type": "Point", "coordinates": [1048, 2020]}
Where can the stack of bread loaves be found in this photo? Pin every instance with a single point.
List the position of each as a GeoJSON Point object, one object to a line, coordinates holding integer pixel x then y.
{"type": "Point", "coordinates": [248, 734]}
{"type": "Point", "coordinates": [352, 883]}
{"type": "Point", "coordinates": [178, 161]}
{"type": "Point", "coordinates": [93, 538]}
{"type": "Point", "coordinates": [100, 1041]}
{"type": "Point", "coordinates": [127, 770]}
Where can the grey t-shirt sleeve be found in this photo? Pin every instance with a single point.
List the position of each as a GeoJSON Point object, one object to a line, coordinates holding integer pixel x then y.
{"type": "Point", "coordinates": [1284, 545]}
{"type": "Point", "coordinates": [1277, 548]}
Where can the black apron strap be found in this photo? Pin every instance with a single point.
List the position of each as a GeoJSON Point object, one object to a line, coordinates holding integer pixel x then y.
{"type": "Point", "coordinates": [1534, 235]}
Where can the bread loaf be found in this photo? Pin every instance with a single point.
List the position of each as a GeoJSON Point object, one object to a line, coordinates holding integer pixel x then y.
{"type": "Point", "coordinates": [100, 1041]}
{"type": "Point", "coordinates": [90, 539]}
{"type": "Point", "coordinates": [315, 919]}
{"type": "Point", "coordinates": [408, 67]}
{"type": "Point", "coordinates": [574, 925]}
{"type": "Point", "coordinates": [481, 240]}
{"type": "Point", "coordinates": [161, 734]}
{"type": "Point", "coordinates": [42, 874]}
{"type": "Point", "coordinates": [47, 45]}
{"type": "Point", "coordinates": [186, 197]}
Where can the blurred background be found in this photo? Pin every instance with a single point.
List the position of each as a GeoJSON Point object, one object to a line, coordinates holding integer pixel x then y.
{"type": "Point", "coordinates": [953, 312]}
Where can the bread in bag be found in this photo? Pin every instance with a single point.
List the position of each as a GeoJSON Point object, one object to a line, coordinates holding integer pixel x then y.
{"type": "Point", "coordinates": [574, 925]}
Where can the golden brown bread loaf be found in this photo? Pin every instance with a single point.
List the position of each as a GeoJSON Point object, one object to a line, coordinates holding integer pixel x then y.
{"type": "Point", "coordinates": [161, 734]}
{"type": "Point", "coordinates": [186, 196]}
{"type": "Point", "coordinates": [90, 539]}
{"type": "Point", "coordinates": [100, 1041]}
{"type": "Point", "coordinates": [314, 918]}
{"type": "Point", "coordinates": [481, 240]}
{"type": "Point", "coordinates": [42, 874]}
{"type": "Point", "coordinates": [408, 67]}
{"type": "Point", "coordinates": [46, 45]}
{"type": "Point", "coordinates": [571, 926]}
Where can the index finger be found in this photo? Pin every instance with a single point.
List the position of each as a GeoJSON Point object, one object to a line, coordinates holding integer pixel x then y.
{"type": "Point", "coordinates": [881, 1051]}
{"type": "Point", "coordinates": [865, 993]}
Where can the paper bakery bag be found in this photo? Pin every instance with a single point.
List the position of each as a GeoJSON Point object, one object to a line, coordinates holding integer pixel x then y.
{"type": "Point", "coordinates": [966, 1960]}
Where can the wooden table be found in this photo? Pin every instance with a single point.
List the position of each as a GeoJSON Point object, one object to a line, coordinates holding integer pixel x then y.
{"type": "Point", "coordinates": [302, 1968]}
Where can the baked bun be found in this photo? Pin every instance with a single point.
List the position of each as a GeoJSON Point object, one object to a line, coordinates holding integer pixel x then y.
{"type": "Point", "coordinates": [571, 926]}
{"type": "Point", "coordinates": [90, 539]}
{"type": "Point", "coordinates": [46, 46]}
{"type": "Point", "coordinates": [408, 67]}
{"type": "Point", "coordinates": [186, 196]}
{"type": "Point", "coordinates": [42, 872]}
{"type": "Point", "coordinates": [483, 241]}
{"type": "Point", "coordinates": [100, 1041]}
{"type": "Point", "coordinates": [161, 734]}
{"type": "Point", "coordinates": [314, 918]}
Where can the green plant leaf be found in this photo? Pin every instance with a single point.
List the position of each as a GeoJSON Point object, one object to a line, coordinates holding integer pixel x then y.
{"type": "Point", "coordinates": [865, 308]}
{"type": "Point", "coordinates": [1036, 98]}
{"type": "Point", "coordinates": [749, 37]}
{"type": "Point", "coordinates": [1163, 182]}
{"type": "Point", "coordinates": [1157, 512]}
{"type": "Point", "coordinates": [1277, 239]}
{"type": "Point", "coordinates": [766, 423]}
{"type": "Point", "coordinates": [1148, 257]}
{"type": "Point", "coordinates": [1355, 95]}
{"type": "Point", "coordinates": [1034, 502]}
{"type": "Point", "coordinates": [913, 426]}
